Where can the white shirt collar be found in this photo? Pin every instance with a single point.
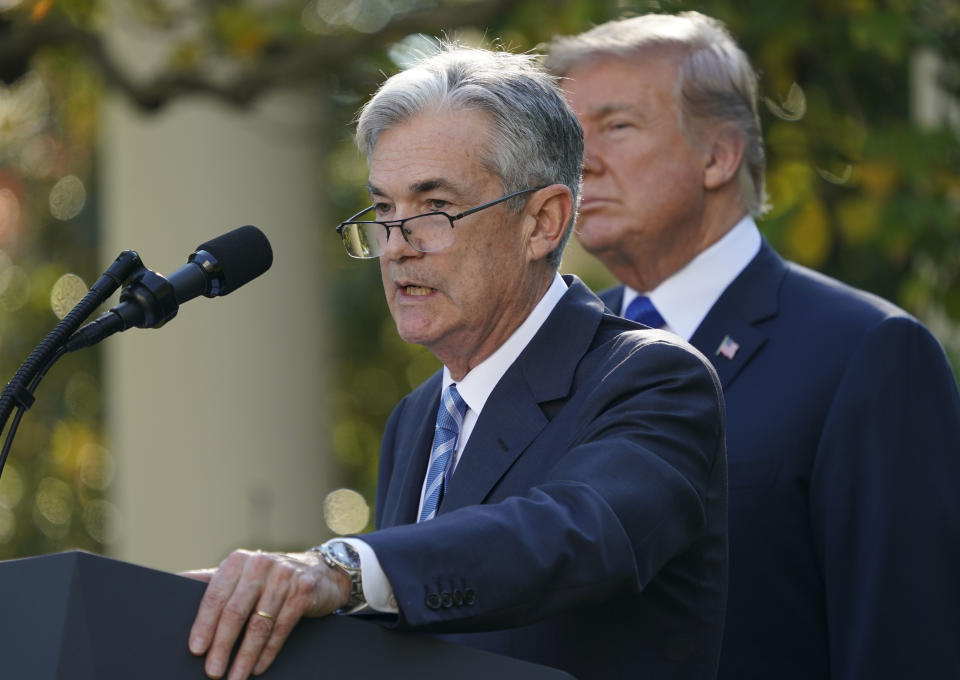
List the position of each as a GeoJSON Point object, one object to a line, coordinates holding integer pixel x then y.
{"type": "Point", "coordinates": [685, 298]}
{"type": "Point", "coordinates": [476, 386]}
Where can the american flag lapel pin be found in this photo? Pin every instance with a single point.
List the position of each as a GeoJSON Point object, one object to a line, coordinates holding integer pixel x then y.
{"type": "Point", "coordinates": [728, 347]}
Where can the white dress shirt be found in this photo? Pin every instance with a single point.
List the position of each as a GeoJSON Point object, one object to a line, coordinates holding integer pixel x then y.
{"type": "Point", "coordinates": [685, 298]}
{"type": "Point", "coordinates": [475, 389]}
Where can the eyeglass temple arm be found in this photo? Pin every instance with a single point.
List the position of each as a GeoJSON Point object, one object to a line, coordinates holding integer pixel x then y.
{"type": "Point", "coordinates": [499, 200]}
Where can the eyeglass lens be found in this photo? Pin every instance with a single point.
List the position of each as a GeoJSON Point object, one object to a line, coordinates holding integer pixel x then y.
{"type": "Point", "coordinates": [425, 233]}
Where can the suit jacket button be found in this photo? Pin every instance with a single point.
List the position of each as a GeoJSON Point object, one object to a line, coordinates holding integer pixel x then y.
{"type": "Point", "coordinates": [469, 596]}
{"type": "Point", "coordinates": [433, 601]}
{"type": "Point", "coordinates": [458, 597]}
{"type": "Point", "coordinates": [446, 599]}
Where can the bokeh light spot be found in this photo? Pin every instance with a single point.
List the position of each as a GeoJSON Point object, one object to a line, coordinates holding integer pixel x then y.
{"type": "Point", "coordinates": [66, 293]}
{"type": "Point", "coordinates": [8, 525]}
{"type": "Point", "coordinates": [311, 20]}
{"type": "Point", "coordinates": [38, 156]}
{"type": "Point", "coordinates": [11, 487]}
{"type": "Point", "coordinates": [5, 264]}
{"type": "Point", "coordinates": [9, 214]}
{"type": "Point", "coordinates": [67, 197]}
{"type": "Point", "coordinates": [53, 507]}
{"type": "Point", "coordinates": [62, 442]}
{"type": "Point", "coordinates": [14, 287]}
{"type": "Point", "coordinates": [373, 15]}
{"type": "Point", "coordinates": [24, 108]}
{"type": "Point", "coordinates": [345, 511]}
{"type": "Point", "coordinates": [96, 466]}
{"type": "Point", "coordinates": [338, 11]}
{"type": "Point", "coordinates": [100, 519]}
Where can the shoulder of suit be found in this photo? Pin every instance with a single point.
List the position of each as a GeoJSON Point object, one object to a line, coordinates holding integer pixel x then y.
{"type": "Point", "coordinates": [618, 338]}
{"type": "Point", "coordinates": [841, 302]}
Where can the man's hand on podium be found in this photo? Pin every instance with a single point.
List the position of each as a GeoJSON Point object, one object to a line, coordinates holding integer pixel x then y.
{"type": "Point", "coordinates": [261, 595]}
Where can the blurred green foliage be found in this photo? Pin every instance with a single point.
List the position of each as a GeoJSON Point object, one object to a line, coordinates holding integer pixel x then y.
{"type": "Point", "coordinates": [54, 488]}
{"type": "Point", "coordinates": [859, 189]}
{"type": "Point", "coordinates": [864, 188]}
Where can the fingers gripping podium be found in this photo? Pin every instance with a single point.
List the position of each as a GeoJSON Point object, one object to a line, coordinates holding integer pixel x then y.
{"type": "Point", "coordinates": [79, 616]}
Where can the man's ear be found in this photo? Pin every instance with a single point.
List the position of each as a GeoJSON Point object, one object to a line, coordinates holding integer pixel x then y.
{"type": "Point", "coordinates": [548, 212]}
{"type": "Point", "coordinates": [726, 145]}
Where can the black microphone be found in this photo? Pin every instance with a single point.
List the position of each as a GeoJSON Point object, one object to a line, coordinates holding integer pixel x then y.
{"type": "Point", "coordinates": [218, 267]}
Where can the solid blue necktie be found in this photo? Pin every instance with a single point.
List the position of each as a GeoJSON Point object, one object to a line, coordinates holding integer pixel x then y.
{"type": "Point", "coordinates": [641, 309]}
{"type": "Point", "coordinates": [445, 435]}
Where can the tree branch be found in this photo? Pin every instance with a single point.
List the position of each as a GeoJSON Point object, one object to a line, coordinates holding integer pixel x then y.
{"type": "Point", "coordinates": [309, 60]}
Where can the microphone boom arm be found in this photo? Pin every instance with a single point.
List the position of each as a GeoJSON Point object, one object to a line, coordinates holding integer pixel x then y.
{"type": "Point", "coordinates": [126, 265]}
{"type": "Point", "coordinates": [216, 268]}
{"type": "Point", "coordinates": [19, 391]}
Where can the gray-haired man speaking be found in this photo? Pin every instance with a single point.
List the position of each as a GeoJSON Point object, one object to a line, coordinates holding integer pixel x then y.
{"type": "Point", "coordinates": [556, 492]}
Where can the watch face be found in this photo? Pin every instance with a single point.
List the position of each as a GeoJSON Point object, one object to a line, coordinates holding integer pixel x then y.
{"type": "Point", "coordinates": [344, 553]}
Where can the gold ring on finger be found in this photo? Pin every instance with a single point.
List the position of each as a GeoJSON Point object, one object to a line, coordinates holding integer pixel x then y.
{"type": "Point", "coordinates": [267, 615]}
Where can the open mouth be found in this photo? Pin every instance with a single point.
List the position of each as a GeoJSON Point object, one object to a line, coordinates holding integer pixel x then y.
{"type": "Point", "coordinates": [418, 290]}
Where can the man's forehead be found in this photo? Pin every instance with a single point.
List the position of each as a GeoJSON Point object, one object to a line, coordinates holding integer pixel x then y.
{"type": "Point", "coordinates": [435, 150]}
{"type": "Point", "coordinates": [654, 67]}
{"type": "Point", "coordinates": [597, 105]}
{"type": "Point", "coordinates": [419, 186]}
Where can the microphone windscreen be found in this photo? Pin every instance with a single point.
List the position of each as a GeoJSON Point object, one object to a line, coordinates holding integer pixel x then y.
{"type": "Point", "coordinates": [242, 254]}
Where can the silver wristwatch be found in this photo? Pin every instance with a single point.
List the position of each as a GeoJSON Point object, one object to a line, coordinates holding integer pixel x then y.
{"type": "Point", "coordinates": [341, 555]}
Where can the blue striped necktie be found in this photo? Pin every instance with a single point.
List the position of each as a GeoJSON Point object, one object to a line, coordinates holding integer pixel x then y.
{"type": "Point", "coordinates": [641, 310]}
{"type": "Point", "coordinates": [445, 435]}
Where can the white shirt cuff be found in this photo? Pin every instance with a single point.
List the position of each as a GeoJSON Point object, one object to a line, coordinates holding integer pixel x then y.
{"type": "Point", "coordinates": [376, 587]}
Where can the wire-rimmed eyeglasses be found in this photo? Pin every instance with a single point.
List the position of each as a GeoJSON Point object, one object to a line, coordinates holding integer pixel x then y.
{"type": "Point", "coordinates": [427, 233]}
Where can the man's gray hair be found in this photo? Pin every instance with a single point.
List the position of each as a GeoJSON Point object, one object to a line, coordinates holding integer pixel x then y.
{"type": "Point", "coordinates": [535, 138]}
{"type": "Point", "coordinates": [715, 81]}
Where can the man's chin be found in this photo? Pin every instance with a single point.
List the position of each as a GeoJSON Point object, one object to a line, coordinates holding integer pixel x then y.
{"type": "Point", "coordinates": [599, 239]}
{"type": "Point", "coordinates": [415, 334]}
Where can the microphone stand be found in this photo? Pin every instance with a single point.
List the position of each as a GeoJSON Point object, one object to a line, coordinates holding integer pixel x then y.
{"type": "Point", "coordinates": [19, 391]}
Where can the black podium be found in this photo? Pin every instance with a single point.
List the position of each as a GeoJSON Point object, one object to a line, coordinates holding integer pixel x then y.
{"type": "Point", "coordinates": [79, 616]}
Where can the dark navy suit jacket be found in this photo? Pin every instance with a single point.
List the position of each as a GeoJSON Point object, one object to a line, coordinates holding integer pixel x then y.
{"type": "Point", "coordinates": [843, 437]}
{"type": "Point", "coordinates": [585, 526]}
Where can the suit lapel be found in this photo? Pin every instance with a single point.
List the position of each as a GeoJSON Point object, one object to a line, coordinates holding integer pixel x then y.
{"type": "Point", "coordinates": [732, 334]}
{"type": "Point", "coordinates": [504, 430]}
{"type": "Point", "coordinates": [512, 417]}
{"type": "Point", "coordinates": [613, 299]}
{"type": "Point", "coordinates": [414, 456]}
{"type": "Point", "coordinates": [728, 342]}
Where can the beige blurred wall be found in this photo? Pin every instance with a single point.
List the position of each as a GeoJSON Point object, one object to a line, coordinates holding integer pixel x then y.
{"type": "Point", "coordinates": [217, 420]}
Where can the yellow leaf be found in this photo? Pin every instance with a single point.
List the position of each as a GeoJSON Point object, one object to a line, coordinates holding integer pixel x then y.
{"type": "Point", "coordinates": [859, 219]}
{"type": "Point", "coordinates": [878, 178]}
{"type": "Point", "coordinates": [788, 184]}
{"type": "Point", "coordinates": [807, 238]}
{"type": "Point", "coordinates": [40, 10]}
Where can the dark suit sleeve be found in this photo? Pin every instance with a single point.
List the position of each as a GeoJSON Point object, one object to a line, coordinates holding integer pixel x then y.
{"type": "Point", "coordinates": [632, 476]}
{"type": "Point", "coordinates": [885, 507]}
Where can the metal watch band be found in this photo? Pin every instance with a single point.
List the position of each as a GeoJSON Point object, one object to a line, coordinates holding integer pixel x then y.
{"type": "Point", "coordinates": [347, 563]}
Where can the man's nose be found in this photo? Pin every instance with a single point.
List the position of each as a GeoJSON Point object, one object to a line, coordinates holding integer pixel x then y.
{"type": "Point", "coordinates": [397, 246]}
{"type": "Point", "coordinates": [592, 163]}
